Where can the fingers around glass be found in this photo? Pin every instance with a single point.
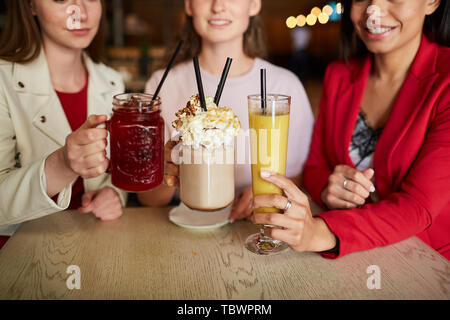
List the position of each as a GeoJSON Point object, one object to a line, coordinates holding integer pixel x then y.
{"type": "Point", "coordinates": [288, 205]}
{"type": "Point", "coordinates": [171, 181]}
{"type": "Point", "coordinates": [287, 185]}
{"type": "Point", "coordinates": [270, 201]}
{"type": "Point", "coordinates": [273, 219]}
{"type": "Point", "coordinates": [171, 169]}
{"type": "Point", "coordinates": [243, 206]}
{"type": "Point", "coordinates": [168, 148]}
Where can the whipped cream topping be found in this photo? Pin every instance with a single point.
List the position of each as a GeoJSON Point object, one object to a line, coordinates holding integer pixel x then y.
{"type": "Point", "coordinates": [213, 128]}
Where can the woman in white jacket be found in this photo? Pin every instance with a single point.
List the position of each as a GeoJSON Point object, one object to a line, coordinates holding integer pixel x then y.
{"type": "Point", "coordinates": [53, 95]}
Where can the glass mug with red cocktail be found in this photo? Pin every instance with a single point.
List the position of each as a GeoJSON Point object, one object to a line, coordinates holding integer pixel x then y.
{"type": "Point", "coordinates": [136, 142]}
{"type": "Point", "coordinates": [137, 138]}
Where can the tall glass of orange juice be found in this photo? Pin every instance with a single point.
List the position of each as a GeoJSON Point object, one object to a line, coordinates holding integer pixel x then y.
{"type": "Point", "coordinates": [269, 128]}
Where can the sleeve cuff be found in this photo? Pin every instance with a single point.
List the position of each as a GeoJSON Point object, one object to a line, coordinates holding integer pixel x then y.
{"type": "Point", "coordinates": [64, 196]}
{"type": "Point", "coordinates": [333, 253]}
{"type": "Point", "coordinates": [123, 195]}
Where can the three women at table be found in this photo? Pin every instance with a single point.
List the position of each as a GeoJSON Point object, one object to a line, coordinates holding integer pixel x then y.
{"type": "Point", "coordinates": [214, 31]}
{"type": "Point", "coordinates": [380, 153]}
{"type": "Point", "coordinates": [54, 92]}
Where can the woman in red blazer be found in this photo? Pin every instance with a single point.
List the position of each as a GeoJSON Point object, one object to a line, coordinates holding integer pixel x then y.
{"type": "Point", "coordinates": [380, 154]}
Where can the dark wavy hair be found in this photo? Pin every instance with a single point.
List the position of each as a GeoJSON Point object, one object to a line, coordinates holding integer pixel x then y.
{"type": "Point", "coordinates": [436, 27]}
{"type": "Point", "coordinates": [21, 39]}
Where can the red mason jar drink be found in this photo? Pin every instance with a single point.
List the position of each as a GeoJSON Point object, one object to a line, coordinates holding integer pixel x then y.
{"type": "Point", "coordinates": [137, 142]}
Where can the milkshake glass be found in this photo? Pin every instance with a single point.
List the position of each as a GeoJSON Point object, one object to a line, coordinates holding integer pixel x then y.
{"type": "Point", "coordinates": [207, 155]}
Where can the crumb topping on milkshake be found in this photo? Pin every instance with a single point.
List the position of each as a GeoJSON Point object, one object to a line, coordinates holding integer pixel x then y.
{"type": "Point", "coordinates": [212, 128]}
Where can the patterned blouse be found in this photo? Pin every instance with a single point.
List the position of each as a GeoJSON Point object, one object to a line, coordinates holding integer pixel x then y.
{"type": "Point", "coordinates": [362, 147]}
{"type": "Point", "coordinates": [363, 143]}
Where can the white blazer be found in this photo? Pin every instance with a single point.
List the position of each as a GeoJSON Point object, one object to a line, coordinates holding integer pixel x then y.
{"type": "Point", "coordinates": [32, 126]}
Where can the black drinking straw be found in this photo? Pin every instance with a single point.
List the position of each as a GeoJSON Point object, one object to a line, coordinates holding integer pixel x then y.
{"type": "Point", "coordinates": [199, 84]}
{"type": "Point", "coordinates": [172, 60]}
{"type": "Point", "coordinates": [222, 81]}
{"type": "Point", "coordinates": [263, 91]}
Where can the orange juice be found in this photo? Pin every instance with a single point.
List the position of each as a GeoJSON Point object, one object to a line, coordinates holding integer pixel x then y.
{"type": "Point", "coordinates": [269, 141]}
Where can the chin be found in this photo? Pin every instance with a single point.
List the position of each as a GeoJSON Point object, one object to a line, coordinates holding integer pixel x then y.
{"type": "Point", "coordinates": [221, 38]}
{"type": "Point", "coordinates": [79, 43]}
{"type": "Point", "coordinates": [385, 47]}
{"type": "Point", "coordinates": [379, 49]}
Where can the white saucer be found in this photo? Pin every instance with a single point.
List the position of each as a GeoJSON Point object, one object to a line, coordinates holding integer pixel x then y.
{"type": "Point", "coordinates": [194, 219]}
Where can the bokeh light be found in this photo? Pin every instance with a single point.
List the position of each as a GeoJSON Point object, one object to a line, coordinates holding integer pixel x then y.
{"type": "Point", "coordinates": [316, 11]}
{"type": "Point", "coordinates": [328, 10]}
{"type": "Point", "coordinates": [291, 22]}
{"type": "Point", "coordinates": [301, 20]}
{"type": "Point", "coordinates": [339, 8]}
{"type": "Point", "coordinates": [323, 18]}
{"type": "Point", "coordinates": [311, 19]}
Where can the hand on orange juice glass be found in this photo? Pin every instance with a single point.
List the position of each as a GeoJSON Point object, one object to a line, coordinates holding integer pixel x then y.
{"type": "Point", "coordinates": [296, 226]}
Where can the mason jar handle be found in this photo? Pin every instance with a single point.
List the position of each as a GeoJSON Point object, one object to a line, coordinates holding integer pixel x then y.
{"type": "Point", "coordinates": [108, 128]}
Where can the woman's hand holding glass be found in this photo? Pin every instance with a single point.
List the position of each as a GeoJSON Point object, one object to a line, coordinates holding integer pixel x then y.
{"type": "Point", "coordinates": [85, 149]}
{"type": "Point", "coordinates": [84, 155]}
{"type": "Point", "coordinates": [243, 205]}
{"type": "Point", "coordinates": [171, 170]}
{"type": "Point", "coordinates": [347, 188]}
{"type": "Point", "coordinates": [296, 226]}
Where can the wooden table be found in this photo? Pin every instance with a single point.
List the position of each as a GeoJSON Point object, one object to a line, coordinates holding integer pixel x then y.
{"type": "Point", "coordinates": [144, 256]}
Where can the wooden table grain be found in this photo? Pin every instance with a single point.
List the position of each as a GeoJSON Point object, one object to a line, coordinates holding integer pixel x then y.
{"type": "Point", "coordinates": [143, 255]}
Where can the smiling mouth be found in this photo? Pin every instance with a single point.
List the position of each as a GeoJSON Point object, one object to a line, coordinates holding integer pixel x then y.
{"type": "Point", "coordinates": [219, 22]}
{"type": "Point", "coordinates": [376, 30]}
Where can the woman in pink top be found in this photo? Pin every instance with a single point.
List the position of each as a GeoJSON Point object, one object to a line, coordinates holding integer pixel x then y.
{"type": "Point", "coordinates": [214, 31]}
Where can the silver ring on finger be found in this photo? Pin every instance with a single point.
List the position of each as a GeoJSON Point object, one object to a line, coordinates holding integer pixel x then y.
{"type": "Point", "coordinates": [345, 183]}
{"type": "Point", "coordinates": [288, 205]}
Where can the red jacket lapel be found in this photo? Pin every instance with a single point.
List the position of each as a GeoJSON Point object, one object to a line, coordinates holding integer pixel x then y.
{"type": "Point", "coordinates": [410, 100]}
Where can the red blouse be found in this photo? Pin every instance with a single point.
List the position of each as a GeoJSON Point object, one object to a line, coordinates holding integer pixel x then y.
{"type": "Point", "coordinates": [75, 108]}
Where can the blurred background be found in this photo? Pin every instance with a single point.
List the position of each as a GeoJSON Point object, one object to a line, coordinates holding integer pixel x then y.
{"type": "Point", "coordinates": [302, 35]}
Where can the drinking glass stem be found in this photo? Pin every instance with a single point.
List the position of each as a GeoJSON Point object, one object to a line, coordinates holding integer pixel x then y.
{"type": "Point", "coordinates": [263, 237]}
{"type": "Point", "coordinates": [261, 231]}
